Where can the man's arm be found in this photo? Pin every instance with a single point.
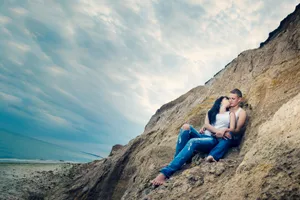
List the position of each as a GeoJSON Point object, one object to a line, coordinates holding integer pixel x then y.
{"type": "Point", "coordinates": [240, 122]}
{"type": "Point", "coordinates": [232, 122]}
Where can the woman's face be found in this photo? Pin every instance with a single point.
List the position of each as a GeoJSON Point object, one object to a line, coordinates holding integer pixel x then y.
{"type": "Point", "coordinates": [225, 102]}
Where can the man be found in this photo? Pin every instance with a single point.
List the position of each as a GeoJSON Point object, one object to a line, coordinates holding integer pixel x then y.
{"type": "Point", "coordinates": [229, 138]}
{"type": "Point", "coordinates": [217, 145]}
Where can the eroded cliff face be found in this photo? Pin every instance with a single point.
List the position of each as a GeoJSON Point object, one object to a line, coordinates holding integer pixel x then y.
{"type": "Point", "coordinates": [265, 166]}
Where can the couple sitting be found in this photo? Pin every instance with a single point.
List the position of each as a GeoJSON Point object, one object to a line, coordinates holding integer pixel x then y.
{"type": "Point", "coordinates": [221, 130]}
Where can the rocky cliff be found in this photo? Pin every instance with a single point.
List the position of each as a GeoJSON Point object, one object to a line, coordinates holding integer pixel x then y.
{"type": "Point", "coordinates": [265, 166]}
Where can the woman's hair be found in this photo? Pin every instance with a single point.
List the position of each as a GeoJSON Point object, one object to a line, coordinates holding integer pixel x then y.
{"type": "Point", "coordinates": [212, 113]}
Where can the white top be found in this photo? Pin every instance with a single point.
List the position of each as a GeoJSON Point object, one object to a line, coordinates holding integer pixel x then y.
{"type": "Point", "coordinates": [222, 121]}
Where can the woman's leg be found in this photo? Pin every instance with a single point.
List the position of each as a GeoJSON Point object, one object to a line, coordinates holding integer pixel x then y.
{"type": "Point", "coordinates": [194, 133]}
{"type": "Point", "coordinates": [185, 134]}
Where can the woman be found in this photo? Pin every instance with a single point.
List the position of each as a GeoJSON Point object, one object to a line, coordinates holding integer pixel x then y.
{"type": "Point", "coordinates": [217, 121]}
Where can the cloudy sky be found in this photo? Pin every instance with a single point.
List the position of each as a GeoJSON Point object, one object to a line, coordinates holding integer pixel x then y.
{"type": "Point", "coordinates": [90, 74]}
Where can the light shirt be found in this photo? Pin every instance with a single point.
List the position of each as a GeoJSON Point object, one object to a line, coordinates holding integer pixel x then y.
{"type": "Point", "coordinates": [222, 121]}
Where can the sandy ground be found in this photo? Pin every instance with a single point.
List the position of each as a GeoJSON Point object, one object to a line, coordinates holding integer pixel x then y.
{"type": "Point", "coordinates": [30, 180]}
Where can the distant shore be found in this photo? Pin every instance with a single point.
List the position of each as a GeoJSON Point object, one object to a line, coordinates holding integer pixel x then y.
{"type": "Point", "coordinates": [22, 179]}
{"type": "Point", "coordinates": [28, 161]}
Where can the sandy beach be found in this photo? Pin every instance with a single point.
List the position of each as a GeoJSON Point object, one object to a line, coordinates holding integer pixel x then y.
{"type": "Point", "coordinates": [30, 180]}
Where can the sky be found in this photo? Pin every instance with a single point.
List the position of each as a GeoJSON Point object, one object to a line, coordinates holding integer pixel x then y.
{"type": "Point", "coordinates": [90, 74]}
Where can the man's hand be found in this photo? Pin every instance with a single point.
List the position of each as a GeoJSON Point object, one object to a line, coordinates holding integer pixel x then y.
{"type": "Point", "coordinates": [227, 135]}
{"type": "Point", "coordinates": [202, 130]}
{"type": "Point", "coordinates": [220, 133]}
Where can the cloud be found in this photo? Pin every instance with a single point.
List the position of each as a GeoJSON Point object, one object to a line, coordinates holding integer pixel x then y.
{"type": "Point", "coordinates": [10, 98]}
{"type": "Point", "coordinates": [99, 70]}
{"type": "Point", "coordinates": [56, 70]}
{"type": "Point", "coordinates": [19, 11]}
{"type": "Point", "coordinates": [22, 47]}
{"type": "Point", "coordinates": [96, 148]}
{"type": "Point", "coordinates": [4, 20]}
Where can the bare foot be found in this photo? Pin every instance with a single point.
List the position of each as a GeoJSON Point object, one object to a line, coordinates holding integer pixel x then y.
{"type": "Point", "coordinates": [159, 180]}
{"type": "Point", "coordinates": [210, 159]}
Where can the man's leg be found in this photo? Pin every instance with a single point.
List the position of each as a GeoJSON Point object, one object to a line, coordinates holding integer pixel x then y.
{"type": "Point", "coordinates": [220, 149]}
{"type": "Point", "coordinates": [205, 143]}
{"type": "Point", "coordinates": [186, 132]}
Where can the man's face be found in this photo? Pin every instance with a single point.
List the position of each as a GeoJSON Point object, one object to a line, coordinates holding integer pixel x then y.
{"type": "Point", "coordinates": [234, 99]}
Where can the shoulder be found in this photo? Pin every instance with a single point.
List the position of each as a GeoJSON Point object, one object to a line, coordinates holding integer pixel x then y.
{"type": "Point", "coordinates": [242, 112]}
{"type": "Point", "coordinates": [231, 114]}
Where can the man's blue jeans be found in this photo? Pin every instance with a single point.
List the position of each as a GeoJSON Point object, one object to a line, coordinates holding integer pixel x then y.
{"type": "Point", "coordinates": [223, 145]}
{"type": "Point", "coordinates": [188, 141]}
{"type": "Point", "coordinates": [221, 148]}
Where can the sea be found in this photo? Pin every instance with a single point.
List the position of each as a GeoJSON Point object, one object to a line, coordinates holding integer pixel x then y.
{"type": "Point", "coordinates": [17, 148]}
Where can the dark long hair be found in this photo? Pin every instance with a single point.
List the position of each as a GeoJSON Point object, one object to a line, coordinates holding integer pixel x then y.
{"type": "Point", "coordinates": [212, 113]}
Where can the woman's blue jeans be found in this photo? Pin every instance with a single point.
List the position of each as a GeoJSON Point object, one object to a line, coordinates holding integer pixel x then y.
{"type": "Point", "coordinates": [188, 141]}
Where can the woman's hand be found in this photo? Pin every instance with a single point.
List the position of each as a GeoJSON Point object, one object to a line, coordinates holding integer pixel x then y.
{"type": "Point", "coordinates": [202, 130]}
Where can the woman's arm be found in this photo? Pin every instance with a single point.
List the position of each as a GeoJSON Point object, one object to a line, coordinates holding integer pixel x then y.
{"type": "Point", "coordinates": [208, 126]}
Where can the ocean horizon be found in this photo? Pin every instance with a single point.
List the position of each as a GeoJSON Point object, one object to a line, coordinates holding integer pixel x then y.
{"type": "Point", "coordinates": [18, 148]}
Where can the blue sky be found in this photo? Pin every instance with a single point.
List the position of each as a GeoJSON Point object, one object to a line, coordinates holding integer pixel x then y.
{"type": "Point", "coordinates": [90, 74]}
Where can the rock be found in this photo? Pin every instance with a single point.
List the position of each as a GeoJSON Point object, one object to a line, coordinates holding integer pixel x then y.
{"type": "Point", "coordinates": [115, 149]}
